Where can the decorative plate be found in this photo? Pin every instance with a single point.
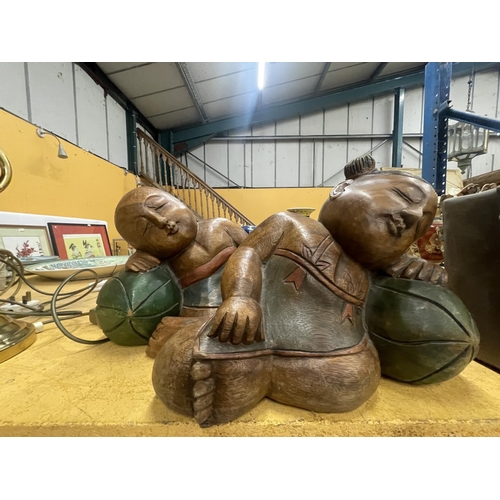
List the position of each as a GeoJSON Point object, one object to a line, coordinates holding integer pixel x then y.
{"type": "Point", "coordinates": [28, 261]}
{"type": "Point", "coordinates": [307, 211]}
{"type": "Point", "coordinates": [62, 269]}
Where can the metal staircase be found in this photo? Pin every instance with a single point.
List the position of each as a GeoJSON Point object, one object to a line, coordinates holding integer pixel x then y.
{"type": "Point", "coordinates": [157, 167]}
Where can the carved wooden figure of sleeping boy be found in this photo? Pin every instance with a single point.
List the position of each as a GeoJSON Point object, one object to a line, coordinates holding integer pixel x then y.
{"type": "Point", "coordinates": [160, 227]}
{"type": "Point", "coordinates": [291, 325]}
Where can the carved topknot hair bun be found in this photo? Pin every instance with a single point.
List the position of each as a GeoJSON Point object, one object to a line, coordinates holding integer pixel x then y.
{"type": "Point", "coordinates": [359, 166]}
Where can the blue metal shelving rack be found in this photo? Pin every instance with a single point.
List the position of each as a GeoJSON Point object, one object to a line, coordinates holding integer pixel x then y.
{"type": "Point", "coordinates": [437, 111]}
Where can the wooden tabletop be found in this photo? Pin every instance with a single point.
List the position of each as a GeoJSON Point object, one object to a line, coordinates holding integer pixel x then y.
{"type": "Point", "coordinates": [57, 387]}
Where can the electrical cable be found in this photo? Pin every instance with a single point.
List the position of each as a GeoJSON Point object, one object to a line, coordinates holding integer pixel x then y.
{"type": "Point", "coordinates": [16, 267]}
{"type": "Point", "coordinates": [65, 319]}
{"type": "Point", "coordinates": [20, 273]}
{"type": "Point", "coordinates": [56, 319]}
{"type": "Point", "coordinates": [15, 314]}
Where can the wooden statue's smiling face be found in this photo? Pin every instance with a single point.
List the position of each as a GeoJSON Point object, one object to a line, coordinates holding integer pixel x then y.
{"type": "Point", "coordinates": [155, 222]}
{"type": "Point", "coordinates": [377, 217]}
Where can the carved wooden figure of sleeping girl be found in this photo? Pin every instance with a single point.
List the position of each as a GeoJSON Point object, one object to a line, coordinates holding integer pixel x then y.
{"type": "Point", "coordinates": [161, 228]}
{"type": "Point", "coordinates": [291, 325]}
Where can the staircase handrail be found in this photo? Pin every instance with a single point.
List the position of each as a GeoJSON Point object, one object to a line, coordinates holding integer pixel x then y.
{"type": "Point", "coordinates": [172, 160]}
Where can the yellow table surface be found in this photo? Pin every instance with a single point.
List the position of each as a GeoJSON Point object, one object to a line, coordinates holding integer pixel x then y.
{"type": "Point", "coordinates": [58, 387]}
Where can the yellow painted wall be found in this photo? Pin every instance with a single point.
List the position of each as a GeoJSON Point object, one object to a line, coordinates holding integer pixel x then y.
{"type": "Point", "coordinates": [258, 204]}
{"type": "Point", "coordinates": [83, 185]}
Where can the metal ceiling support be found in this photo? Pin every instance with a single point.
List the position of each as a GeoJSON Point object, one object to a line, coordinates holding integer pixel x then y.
{"type": "Point", "coordinates": [298, 108]}
{"type": "Point", "coordinates": [341, 137]}
{"type": "Point", "coordinates": [182, 147]}
{"type": "Point", "coordinates": [397, 133]}
{"type": "Point", "coordinates": [98, 75]}
{"type": "Point", "coordinates": [378, 70]}
{"type": "Point", "coordinates": [413, 148]}
{"type": "Point", "coordinates": [436, 95]}
{"type": "Point", "coordinates": [128, 68]}
{"type": "Point", "coordinates": [166, 140]}
{"type": "Point", "coordinates": [193, 91]}
{"type": "Point", "coordinates": [322, 77]}
{"type": "Point", "coordinates": [305, 106]}
{"type": "Point", "coordinates": [220, 174]}
{"type": "Point", "coordinates": [131, 122]}
{"type": "Point", "coordinates": [473, 119]}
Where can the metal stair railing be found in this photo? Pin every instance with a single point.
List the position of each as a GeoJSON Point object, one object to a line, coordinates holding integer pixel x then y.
{"type": "Point", "coordinates": [158, 167]}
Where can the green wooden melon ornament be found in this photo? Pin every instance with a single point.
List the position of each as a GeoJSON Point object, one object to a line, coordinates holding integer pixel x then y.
{"type": "Point", "coordinates": [423, 333]}
{"type": "Point", "coordinates": [130, 305]}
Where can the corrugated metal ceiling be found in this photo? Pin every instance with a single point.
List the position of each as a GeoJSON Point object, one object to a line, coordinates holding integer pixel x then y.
{"type": "Point", "coordinates": [176, 95]}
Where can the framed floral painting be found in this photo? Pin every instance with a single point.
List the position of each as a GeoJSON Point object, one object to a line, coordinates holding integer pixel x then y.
{"type": "Point", "coordinates": [26, 241]}
{"type": "Point", "coordinates": [80, 241]}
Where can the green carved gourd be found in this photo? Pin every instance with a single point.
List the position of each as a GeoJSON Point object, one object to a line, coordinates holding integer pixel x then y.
{"type": "Point", "coordinates": [423, 332]}
{"type": "Point", "coordinates": [130, 305]}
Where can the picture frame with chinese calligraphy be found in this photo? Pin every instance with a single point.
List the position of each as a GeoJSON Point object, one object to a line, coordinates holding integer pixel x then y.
{"type": "Point", "coordinates": [80, 241]}
{"type": "Point", "coordinates": [26, 241]}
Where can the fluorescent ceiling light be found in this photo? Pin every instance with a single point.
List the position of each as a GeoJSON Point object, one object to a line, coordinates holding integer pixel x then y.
{"type": "Point", "coordinates": [261, 78]}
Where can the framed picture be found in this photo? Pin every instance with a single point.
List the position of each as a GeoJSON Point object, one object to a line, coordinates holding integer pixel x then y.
{"type": "Point", "coordinates": [27, 241]}
{"type": "Point", "coordinates": [121, 247]}
{"type": "Point", "coordinates": [80, 241]}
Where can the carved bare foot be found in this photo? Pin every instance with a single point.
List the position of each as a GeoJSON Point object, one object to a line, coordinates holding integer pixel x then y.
{"type": "Point", "coordinates": [211, 391]}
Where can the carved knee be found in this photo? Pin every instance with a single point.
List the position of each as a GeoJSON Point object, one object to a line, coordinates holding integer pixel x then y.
{"type": "Point", "coordinates": [332, 384]}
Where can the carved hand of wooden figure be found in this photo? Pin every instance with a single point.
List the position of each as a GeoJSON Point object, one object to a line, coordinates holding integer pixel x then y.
{"type": "Point", "coordinates": [238, 319]}
{"type": "Point", "coordinates": [415, 268]}
{"type": "Point", "coordinates": [141, 261]}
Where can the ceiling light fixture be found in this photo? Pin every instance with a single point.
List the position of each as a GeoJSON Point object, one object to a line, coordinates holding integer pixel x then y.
{"type": "Point", "coordinates": [261, 78]}
{"type": "Point", "coordinates": [60, 152]}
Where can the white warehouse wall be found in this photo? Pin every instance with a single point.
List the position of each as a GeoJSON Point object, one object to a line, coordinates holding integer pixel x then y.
{"type": "Point", "coordinates": [62, 98]}
{"type": "Point", "coordinates": [250, 162]}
